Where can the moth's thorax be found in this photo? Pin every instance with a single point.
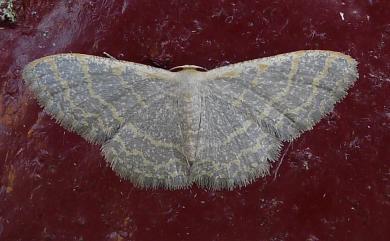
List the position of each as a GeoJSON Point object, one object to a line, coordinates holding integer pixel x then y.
{"type": "Point", "coordinates": [190, 104]}
{"type": "Point", "coordinates": [187, 67]}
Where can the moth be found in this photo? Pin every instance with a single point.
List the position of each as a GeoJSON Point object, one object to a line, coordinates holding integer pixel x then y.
{"type": "Point", "coordinates": [220, 128]}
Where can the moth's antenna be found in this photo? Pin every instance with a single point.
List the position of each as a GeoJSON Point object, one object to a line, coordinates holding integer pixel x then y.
{"type": "Point", "coordinates": [109, 55]}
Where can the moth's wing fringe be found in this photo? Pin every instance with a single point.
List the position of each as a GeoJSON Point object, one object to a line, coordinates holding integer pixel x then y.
{"type": "Point", "coordinates": [142, 181]}
{"type": "Point", "coordinates": [244, 179]}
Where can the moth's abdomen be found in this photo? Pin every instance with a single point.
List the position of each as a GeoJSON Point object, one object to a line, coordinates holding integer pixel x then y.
{"type": "Point", "coordinates": [190, 104]}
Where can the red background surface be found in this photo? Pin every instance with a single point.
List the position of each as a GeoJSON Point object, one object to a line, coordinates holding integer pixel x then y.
{"type": "Point", "coordinates": [333, 181]}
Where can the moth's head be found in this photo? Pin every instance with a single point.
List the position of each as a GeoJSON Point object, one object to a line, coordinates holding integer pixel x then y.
{"type": "Point", "coordinates": [187, 68]}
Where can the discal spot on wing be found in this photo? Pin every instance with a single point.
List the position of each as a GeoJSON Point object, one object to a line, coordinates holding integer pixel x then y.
{"type": "Point", "coordinates": [263, 68]}
{"type": "Point", "coordinates": [231, 74]}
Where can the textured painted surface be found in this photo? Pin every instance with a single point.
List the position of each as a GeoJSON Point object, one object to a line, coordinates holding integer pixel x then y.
{"type": "Point", "coordinates": [332, 183]}
{"type": "Point", "coordinates": [7, 12]}
{"type": "Point", "coordinates": [219, 128]}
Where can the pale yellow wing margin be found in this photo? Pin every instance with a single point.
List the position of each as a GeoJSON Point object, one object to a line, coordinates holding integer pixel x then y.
{"type": "Point", "coordinates": [91, 95]}
{"type": "Point", "coordinates": [286, 94]}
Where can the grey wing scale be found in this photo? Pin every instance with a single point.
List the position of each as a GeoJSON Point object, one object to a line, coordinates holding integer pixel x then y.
{"type": "Point", "coordinates": [125, 106]}
{"type": "Point", "coordinates": [251, 107]}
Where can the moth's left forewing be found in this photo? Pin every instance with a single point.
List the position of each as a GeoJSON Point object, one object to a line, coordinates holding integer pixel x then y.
{"type": "Point", "coordinates": [288, 93]}
{"type": "Point", "coordinates": [91, 95]}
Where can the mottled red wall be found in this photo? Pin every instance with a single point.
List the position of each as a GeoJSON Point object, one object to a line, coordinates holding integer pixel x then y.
{"type": "Point", "coordinates": [333, 183]}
